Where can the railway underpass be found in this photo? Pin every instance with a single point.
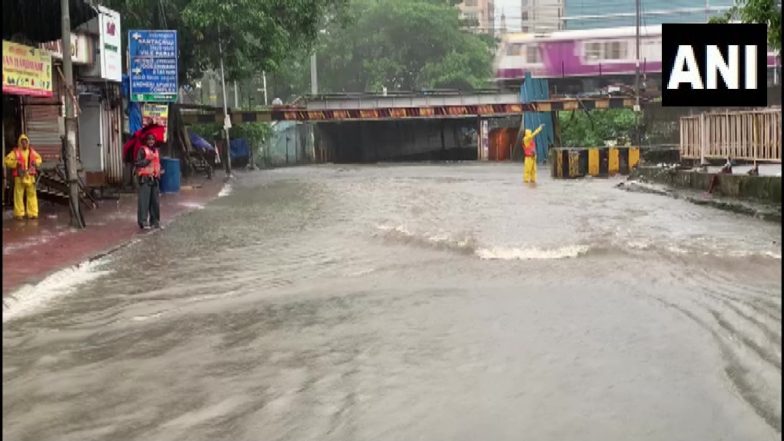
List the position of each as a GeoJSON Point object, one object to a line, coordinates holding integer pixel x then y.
{"type": "Point", "coordinates": [369, 128]}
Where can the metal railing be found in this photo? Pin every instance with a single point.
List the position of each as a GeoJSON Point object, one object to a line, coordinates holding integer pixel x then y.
{"type": "Point", "coordinates": [749, 135]}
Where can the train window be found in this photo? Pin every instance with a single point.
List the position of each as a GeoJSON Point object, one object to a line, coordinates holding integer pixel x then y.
{"type": "Point", "coordinates": [532, 54]}
{"type": "Point", "coordinates": [615, 50]}
{"type": "Point", "coordinates": [513, 50]}
{"type": "Point", "coordinates": [593, 51]}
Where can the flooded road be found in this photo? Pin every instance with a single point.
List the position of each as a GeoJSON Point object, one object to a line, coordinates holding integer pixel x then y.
{"type": "Point", "coordinates": [411, 302]}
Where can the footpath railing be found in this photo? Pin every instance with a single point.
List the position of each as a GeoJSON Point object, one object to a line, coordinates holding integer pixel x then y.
{"type": "Point", "coordinates": [751, 135]}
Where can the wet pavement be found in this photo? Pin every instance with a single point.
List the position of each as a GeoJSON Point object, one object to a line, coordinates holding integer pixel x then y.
{"type": "Point", "coordinates": [432, 302]}
{"type": "Point", "coordinates": [34, 249]}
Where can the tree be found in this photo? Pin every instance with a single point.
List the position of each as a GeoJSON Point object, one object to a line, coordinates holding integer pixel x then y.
{"type": "Point", "coordinates": [757, 11]}
{"type": "Point", "coordinates": [255, 34]}
{"type": "Point", "coordinates": [590, 129]}
{"type": "Point", "coordinates": [397, 44]}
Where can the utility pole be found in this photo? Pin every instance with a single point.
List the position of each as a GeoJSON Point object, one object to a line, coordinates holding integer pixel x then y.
{"type": "Point", "coordinates": [313, 75]}
{"type": "Point", "coordinates": [637, 58]}
{"type": "Point", "coordinates": [637, 76]}
{"type": "Point", "coordinates": [77, 221]}
{"type": "Point", "coordinates": [226, 119]}
{"type": "Point", "coordinates": [236, 96]}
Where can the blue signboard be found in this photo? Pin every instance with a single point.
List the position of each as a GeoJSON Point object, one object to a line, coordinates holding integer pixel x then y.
{"type": "Point", "coordinates": [153, 60]}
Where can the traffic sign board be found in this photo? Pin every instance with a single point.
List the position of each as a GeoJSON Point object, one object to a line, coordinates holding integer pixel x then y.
{"type": "Point", "coordinates": [153, 59]}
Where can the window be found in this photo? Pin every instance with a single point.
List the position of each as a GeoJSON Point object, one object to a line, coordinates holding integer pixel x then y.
{"type": "Point", "coordinates": [525, 29]}
{"type": "Point", "coordinates": [532, 54]}
{"type": "Point", "coordinates": [523, 4]}
{"type": "Point", "coordinates": [615, 50]}
{"type": "Point", "coordinates": [593, 51]}
{"type": "Point", "coordinates": [513, 50]}
{"type": "Point", "coordinates": [525, 16]}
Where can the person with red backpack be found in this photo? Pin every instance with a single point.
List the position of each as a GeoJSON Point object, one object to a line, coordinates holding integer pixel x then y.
{"type": "Point", "coordinates": [148, 169]}
{"type": "Point", "coordinates": [25, 162]}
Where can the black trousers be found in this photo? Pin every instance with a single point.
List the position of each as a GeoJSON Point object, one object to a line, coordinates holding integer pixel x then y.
{"type": "Point", "coordinates": [149, 202]}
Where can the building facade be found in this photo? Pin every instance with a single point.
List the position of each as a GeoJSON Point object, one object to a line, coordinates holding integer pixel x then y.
{"type": "Point", "coordinates": [541, 16]}
{"type": "Point", "coordinates": [593, 14]}
{"type": "Point", "coordinates": [480, 14]}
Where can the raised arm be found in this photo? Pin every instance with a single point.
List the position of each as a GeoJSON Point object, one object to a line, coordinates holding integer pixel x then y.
{"type": "Point", "coordinates": [538, 129]}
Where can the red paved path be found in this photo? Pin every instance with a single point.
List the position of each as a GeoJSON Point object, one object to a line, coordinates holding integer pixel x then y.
{"type": "Point", "coordinates": [34, 249]}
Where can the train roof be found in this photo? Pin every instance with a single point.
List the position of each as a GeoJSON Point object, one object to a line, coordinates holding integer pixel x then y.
{"type": "Point", "coordinates": [626, 31]}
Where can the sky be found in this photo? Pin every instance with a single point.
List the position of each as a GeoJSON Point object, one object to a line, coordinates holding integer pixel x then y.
{"type": "Point", "coordinates": [512, 9]}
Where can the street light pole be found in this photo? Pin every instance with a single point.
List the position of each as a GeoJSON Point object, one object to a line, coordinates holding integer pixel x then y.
{"type": "Point", "coordinates": [226, 119]}
{"type": "Point", "coordinates": [77, 220]}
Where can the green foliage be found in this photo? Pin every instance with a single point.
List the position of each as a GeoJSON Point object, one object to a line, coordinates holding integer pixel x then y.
{"type": "Point", "coordinates": [757, 11]}
{"type": "Point", "coordinates": [586, 129]}
{"type": "Point", "coordinates": [255, 34]}
{"type": "Point", "coordinates": [397, 44]}
{"type": "Point", "coordinates": [256, 133]}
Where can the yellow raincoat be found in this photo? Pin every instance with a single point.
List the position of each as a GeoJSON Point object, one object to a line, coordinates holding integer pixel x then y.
{"type": "Point", "coordinates": [529, 152]}
{"type": "Point", "coordinates": [24, 177]}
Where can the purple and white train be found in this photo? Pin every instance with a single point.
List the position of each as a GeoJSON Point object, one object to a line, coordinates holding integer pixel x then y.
{"type": "Point", "coordinates": [582, 53]}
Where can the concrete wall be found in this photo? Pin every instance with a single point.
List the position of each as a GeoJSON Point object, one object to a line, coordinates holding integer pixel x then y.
{"type": "Point", "coordinates": [372, 141]}
{"type": "Point", "coordinates": [760, 188]}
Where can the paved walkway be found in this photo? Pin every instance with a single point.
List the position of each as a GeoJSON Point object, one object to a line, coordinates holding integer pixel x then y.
{"type": "Point", "coordinates": [33, 249]}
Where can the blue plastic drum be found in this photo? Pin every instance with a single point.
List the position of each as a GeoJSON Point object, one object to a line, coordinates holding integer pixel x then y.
{"type": "Point", "coordinates": [170, 180]}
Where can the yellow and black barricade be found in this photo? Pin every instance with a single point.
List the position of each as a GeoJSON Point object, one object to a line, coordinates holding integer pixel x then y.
{"type": "Point", "coordinates": [570, 163]}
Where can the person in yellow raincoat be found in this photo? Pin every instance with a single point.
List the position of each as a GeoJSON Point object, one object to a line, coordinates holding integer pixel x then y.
{"type": "Point", "coordinates": [529, 152]}
{"type": "Point", "coordinates": [24, 162]}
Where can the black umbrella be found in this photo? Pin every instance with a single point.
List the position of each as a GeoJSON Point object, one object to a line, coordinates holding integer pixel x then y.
{"type": "Point", "coordinates": [40, 21]}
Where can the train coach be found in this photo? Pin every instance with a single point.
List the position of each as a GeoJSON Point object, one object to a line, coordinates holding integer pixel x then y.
{"type": "Point", "coordinates": [593, 53]}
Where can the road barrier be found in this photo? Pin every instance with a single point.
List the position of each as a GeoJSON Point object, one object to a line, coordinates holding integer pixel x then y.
{"type": "Point", "coordinates": [569, 163]}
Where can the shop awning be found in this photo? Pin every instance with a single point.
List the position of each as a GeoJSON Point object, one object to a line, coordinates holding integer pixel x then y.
{"type": "Point", "coordinates": [39, 21]}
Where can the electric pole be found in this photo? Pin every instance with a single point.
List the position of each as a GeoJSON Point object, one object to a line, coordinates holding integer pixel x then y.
{"type": "Point", "coordinates": [226, 119]}
{"type": "Point", "coordinates": [77, 221]}
{"type": "Point", "coordinates": [264, 76]}
{"type": "Point", "coordinates": [313, 75]}
{"type": "Point", "coordinates": [637, 57]}
{"type": "Point", "coordinates": [637, 75]}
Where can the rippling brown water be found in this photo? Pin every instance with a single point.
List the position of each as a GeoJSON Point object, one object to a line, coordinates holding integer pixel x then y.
{"type": "Point", "coordinates": [433, 302]}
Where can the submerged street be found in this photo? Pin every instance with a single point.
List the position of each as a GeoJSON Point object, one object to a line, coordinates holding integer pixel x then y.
{"type": "Point", "coordinates": [411, 302]}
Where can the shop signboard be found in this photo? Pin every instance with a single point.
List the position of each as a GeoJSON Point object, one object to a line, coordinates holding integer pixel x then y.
{"type": "Point", "coordinates": [153, 65]}
{"type": "Point", "coordinates": [111, 44]}
{"type": "Point", "coordinates": [156, 114]}
{"type": "Point", "coordinates": [26, 70]}
{"type": "Point", "coordinates": [106, 28]}
{"type": "Point", "coordinates": [81, 49]}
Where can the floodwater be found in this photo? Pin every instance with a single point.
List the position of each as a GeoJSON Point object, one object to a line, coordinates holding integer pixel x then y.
{"type": "Point", "coordinates": [411, 302]}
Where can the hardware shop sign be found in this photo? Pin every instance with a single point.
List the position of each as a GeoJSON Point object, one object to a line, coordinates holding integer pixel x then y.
{"type": "Point", "coordinates": [26, 70]}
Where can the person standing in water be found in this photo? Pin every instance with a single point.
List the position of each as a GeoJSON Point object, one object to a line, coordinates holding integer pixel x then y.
{"type": "Point", "coordinates": [24, 161]}
{"type": "Point", "coordinates": [148, 168]}
{"type": "Point", "coordinates": [529, 154]}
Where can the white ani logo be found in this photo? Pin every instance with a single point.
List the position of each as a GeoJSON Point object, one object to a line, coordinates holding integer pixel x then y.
{"type": "Point", "coordinates": [686, 70]}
